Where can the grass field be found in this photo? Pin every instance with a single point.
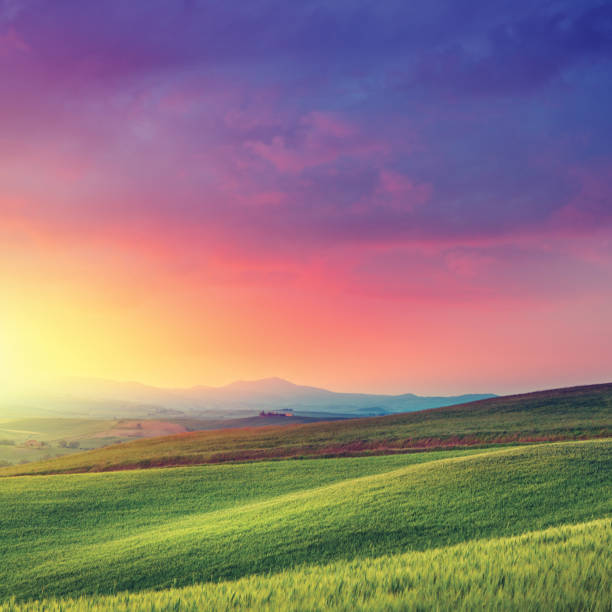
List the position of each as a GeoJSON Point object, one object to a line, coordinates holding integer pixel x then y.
{"type": "Point", "coordinates": [491, 523]}
{"type": "Point", "coordinates": [82, 534]}
{"type": "Point", "coordinates": [565, 568]}
{"type": "Point", "coordinates": [47, 428]}
{"type": "Point", "coordinates": [582, 412]}
{"type": "Point", "coordinates": [59, 437]}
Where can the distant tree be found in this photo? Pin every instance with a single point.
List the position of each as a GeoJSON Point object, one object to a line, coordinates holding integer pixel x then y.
{"type": "Point", "coordinates": [62, 443]}
{"type": "Point", "coordinates": [34, 444]}
{"type": "Point", "coordinates": [73, 444]}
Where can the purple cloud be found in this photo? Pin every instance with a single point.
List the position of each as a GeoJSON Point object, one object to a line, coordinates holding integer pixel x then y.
{"type": "Point", "coordinates": [320, 124]}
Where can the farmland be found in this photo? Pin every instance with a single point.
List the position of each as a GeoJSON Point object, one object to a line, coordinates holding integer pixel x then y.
{"type": "Point", "coordinates": [32, 439]}
{"type": "Point", "coordinates": [508, 505]}
{"type": "Point", "coordinates": [564, 414]}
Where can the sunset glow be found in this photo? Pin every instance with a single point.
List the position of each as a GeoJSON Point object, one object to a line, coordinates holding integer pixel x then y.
{"type": "Point", "coordinates": [339, 194]}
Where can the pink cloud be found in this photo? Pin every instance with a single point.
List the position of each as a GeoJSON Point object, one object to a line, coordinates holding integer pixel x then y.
{"type": "Point", "coordinates": [592, 204]}
{"type": "Point", "coordinates": [469, 263]}
{"type": "Point", "coordinates": [329, 123]}
{"type": "Point", "coordinates": [401, 193]}
{"type": "Point", "coordinates": [320, 138]}
{"type": "Point", "coordinates": [11, 42]}
{"type": "Point", "coordinates": [282, 157]}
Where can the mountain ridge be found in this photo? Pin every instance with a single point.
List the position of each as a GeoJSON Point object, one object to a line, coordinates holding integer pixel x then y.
{"type": "Point", "coordinates": [239, 398]}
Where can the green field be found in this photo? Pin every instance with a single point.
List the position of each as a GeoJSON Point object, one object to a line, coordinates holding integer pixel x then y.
{"type": "Point", "coordinates": [35, 439]}
{"type": "Point", "coordinates": [56, 437]}
{"type": "Point", "coordinates": [47, 428]}
{"type": "Point", "coordinates": [130, 531]}
{"type": "Point", "coordinates": [564, 414]}
{"type": "Point", "coordinates": [565, 568]}
{"type": "Point", "coordinates": [493, 513]}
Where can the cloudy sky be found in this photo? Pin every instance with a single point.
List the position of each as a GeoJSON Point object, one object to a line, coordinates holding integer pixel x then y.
{"type": "Point", "coordinates": [377, 196]}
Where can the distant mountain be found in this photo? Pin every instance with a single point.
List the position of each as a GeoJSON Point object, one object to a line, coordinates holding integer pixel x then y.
{"type": "Point", "coordinates": [575, 413]}
{"type": "Point", "coordinates": [103, 398]}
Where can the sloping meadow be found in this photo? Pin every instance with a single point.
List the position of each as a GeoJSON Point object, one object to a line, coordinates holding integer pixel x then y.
{"type": "Point", "coordinates": [560, 568]}
{"type": "Point", "coordinates": [195, 525]}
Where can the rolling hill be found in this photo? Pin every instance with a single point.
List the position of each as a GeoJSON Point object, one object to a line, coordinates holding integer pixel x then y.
{"type": "Point", "coordinates": [23, 440]}
{"type": "Point", "coordinates": [560, 568]}
{"type": "Point", "coordinates": [92, 413]}
{"type": "Point", "coordinates": [501, 516]}
{"type": "Point", "coordinates": [80, 535]}
{"type": "Point", "coordinates": [572, 413]}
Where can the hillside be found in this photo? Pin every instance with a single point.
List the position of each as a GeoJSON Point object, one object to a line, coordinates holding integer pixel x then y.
{"type": "Point", "coordinates": [560, 568]}
{"type": "Point", "coordinates": [24, 440]}
{"type": "Point", "coordinates": [104, 533]}
{"type": "Point", "coordinates": [572, 413]}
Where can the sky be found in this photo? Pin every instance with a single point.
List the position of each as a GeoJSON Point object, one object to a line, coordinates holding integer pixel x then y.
{"type": "Point", "coordinates": [368, 196]}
